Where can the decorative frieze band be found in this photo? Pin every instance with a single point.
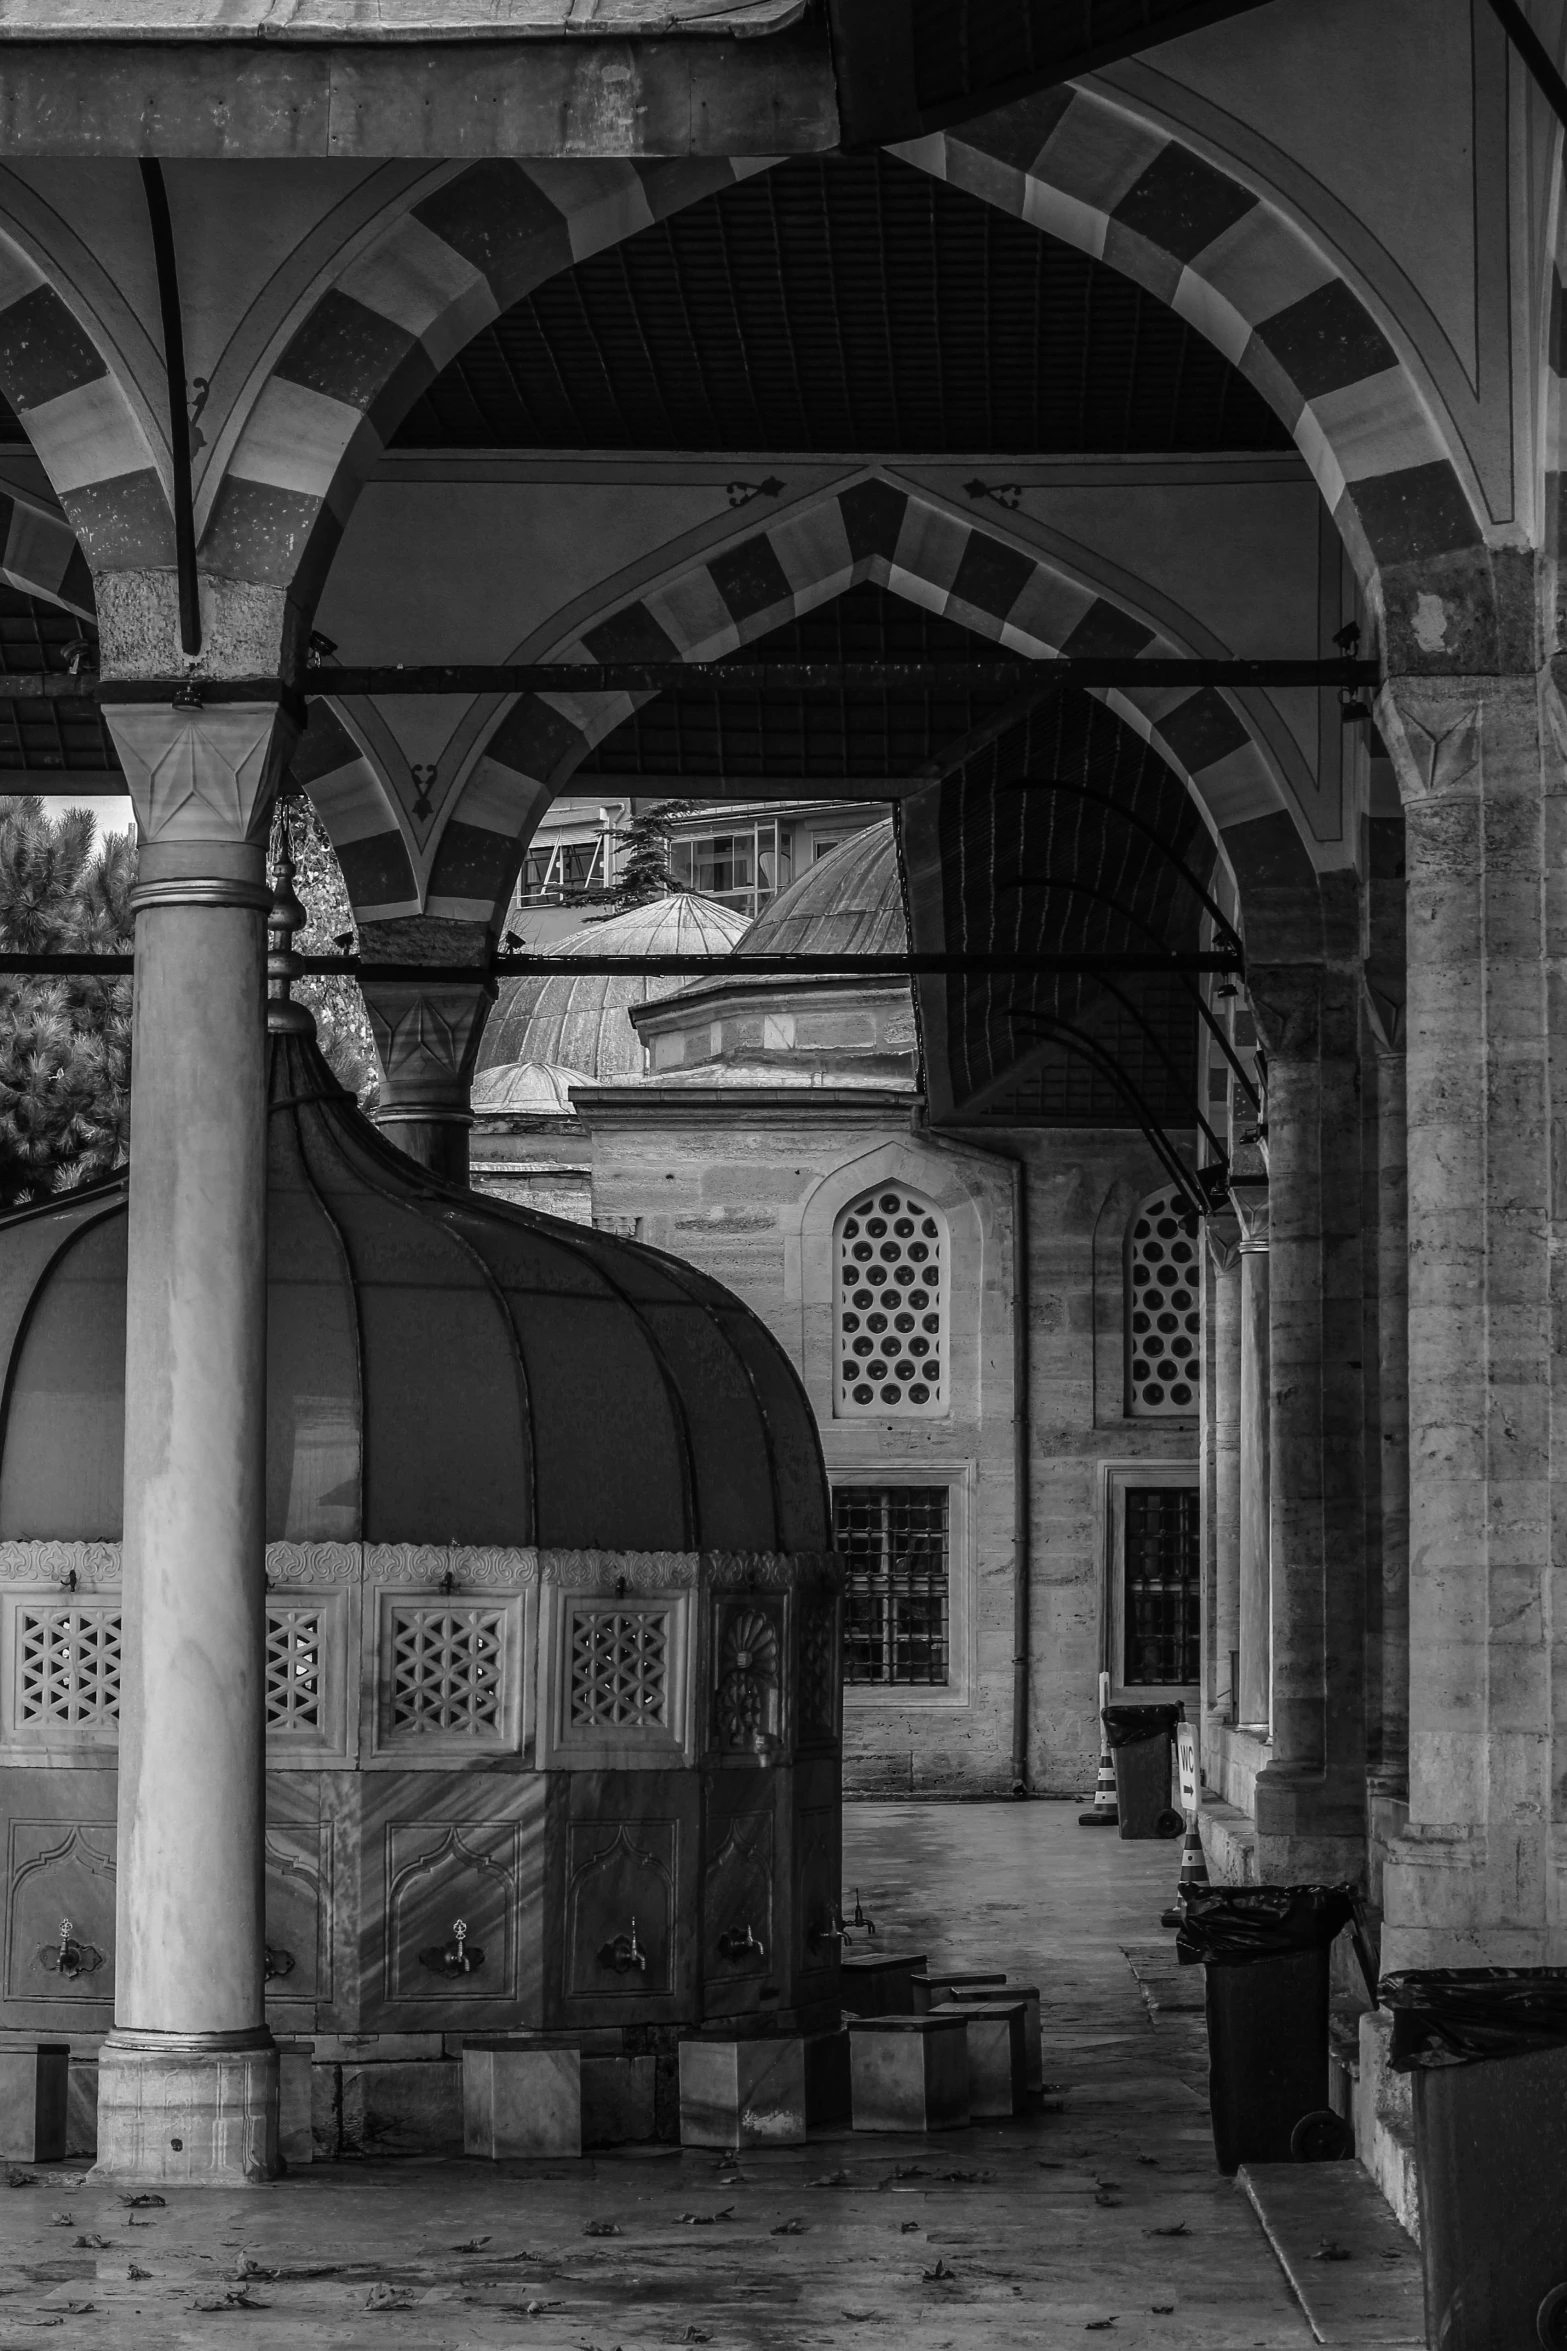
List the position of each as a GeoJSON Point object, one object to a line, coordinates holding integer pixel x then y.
{"type": "Point", "coordinates": [470, 1567]}
{"type": "Point", "coordinates": [78, 1566]}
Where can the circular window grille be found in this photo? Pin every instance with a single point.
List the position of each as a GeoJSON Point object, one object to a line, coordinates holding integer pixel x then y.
{"type": "Point", "coordinates": [1163, 1307]}
{"type": "Point", "coordinates": [890, 1329]}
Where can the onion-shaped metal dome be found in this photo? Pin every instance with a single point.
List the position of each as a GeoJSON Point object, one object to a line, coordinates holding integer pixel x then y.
{"type": "Point", "coordinates": [441, 1367]}
{"type": "Point", "coordinates": [535, 1089]}
{"type": "Point", "coordinates": [582, 1023]}
{"type": "Point", "coordinates": [850, 903]}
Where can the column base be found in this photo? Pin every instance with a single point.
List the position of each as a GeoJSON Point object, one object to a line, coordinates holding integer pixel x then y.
{"type": "Point", "coordinates": [200, 2109]}
{"type": "Point", "coordinates": [1310, 1831]}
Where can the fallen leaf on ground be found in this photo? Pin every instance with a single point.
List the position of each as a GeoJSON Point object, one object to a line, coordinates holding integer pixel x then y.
{"type": "Point", "coordinates": [140, 2201]}
{"type": "Point", "coordinates": [941, 2275]}
{"type": "Point", "coordinates": [910, 2228]}
{"type": "Point", "coordinates": [1110, 2203]}
{"type": "Point", "coordinates": [832, 2179]}
{"type": "Point", "coordinates": [384, 2297]}
{"type": "Point", "coordinates": [471, 2245]}
{"type": "Point", "coordinates": [794, 2228]}
{"type": "Point", "coordinates": [600, 2228]}
{"type": "Point", "coordinates": [92, 2242]}
{"type": "Point", "coordinates": [705, 2220]}
{"type": "Point", "coordinates": [1161, 2309]}
{"type": "Point", "coordinates": [859, 2315]}
{"type": "Point", "coordinates": [62, 2220]}
{"type": "Point", "coordinates": [133, 2271]}
{"type": "Point", "coordinates": [695, 2335]}
{"type": "Point", "coordinates": [236, 2298]}
{"type": "Point", "coordinates": [245, 2267]}
{"type": "Point", "coordinates": [1046, 2165]}
{"type": "Point", "coordinates": [1329, 2250]}
{"type": "Point", "coordinates": [1096, 2326]}
{"type": "Point", "coordinates": [19, 2179]}
{"type": "Point", "coordinates": [1180, 2229]}
{"type": "Point", "coordinates": [76, 2309]}
{"type": "Point", "coordinates": [1147, 2158]}
{"type": "Point", "coordinates": [908, 2171]}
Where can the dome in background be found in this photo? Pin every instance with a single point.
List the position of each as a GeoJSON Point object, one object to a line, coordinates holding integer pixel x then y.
{"type": "Point", "coordinates": [441, 1367]}
{"type": "Point", "coordinates": [849, 903]}
{"type": "Point", "coordinates": [581, 1024]}
{"type": "Point", "coordinates": [533, 1089]}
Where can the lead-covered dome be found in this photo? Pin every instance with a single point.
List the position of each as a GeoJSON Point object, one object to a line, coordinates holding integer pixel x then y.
{"type": "Point", "coordinates": [441, 1367]}
{"type": "Point", "coordinates": [583, 1024]}
{"type": "Point", "coordinates": [849, 903]}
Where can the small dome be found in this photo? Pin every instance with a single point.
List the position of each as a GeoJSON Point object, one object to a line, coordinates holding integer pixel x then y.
{"type": "Point", "coordinates": [582, 1023]}
{"type": "Point", "coordinates": [536, 1089]}
{"type": "Point", "coordinates": [850, 903]}
{"type": "Point", "coordinates": [441, 1366]}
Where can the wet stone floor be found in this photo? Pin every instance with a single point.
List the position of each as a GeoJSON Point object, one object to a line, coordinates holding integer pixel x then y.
{"type": "Point", "coordinates": [1098, 2216]}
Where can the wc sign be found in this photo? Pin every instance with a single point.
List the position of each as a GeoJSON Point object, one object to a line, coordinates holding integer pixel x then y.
{"type": "Point", "coordinates": [1186, 1767]}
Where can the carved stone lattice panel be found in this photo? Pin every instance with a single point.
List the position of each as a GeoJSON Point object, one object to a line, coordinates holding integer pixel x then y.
{"type": "Point", "coordinates": [748, 1673]}
{"type": "Point", "coordinates": [820, 1671]}
{"type": "Point", "coordinates": [619, 1668]}
{"type": "Point", "coordinates": [295, 1698]}
{"type": "Point", "coordinates": [446, 1667]}
{"type": "Point", "coordinates": [67, 1665]}
{"type": "Point", "coordinates": [620, 1909]}
{"type": "Point", "coordinates": [60, 1891]}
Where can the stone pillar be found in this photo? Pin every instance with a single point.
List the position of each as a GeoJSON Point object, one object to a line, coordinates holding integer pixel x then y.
{"type": "Point", "coordinates": [188, 2076]}
{"type": "Point", "coordinates": [1477, 1877]}
{"type": "Point", "coordinates": [1253, 1507]}
{"type": "Point", "coordinates": [1311, 1792]}
{"type": "Point", "coordinates": [427, 1035]}
{"type": "Point", "coordinates": [1387, 1778]}
{"type": "Point", "coordinates": [1224, 1293]}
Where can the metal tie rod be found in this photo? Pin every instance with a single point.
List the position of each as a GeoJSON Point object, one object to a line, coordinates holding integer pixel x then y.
{"type": "Point", "coordinates": [735, 967]}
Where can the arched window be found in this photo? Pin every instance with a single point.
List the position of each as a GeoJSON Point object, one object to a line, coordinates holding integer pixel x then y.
{"type": "Point", "coordinates": [890, 1305]}
{"type": "Point", "coordinates": [1163, 1308]}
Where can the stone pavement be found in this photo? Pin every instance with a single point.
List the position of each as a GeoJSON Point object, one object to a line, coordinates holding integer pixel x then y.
{"type": "Point", "coordinates": [1101, 2215]}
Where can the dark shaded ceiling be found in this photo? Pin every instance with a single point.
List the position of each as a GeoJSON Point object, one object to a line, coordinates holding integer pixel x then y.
{"type": "Point", "coordinates": [969, 55]}
{"type": "Point", "coordinates": [842, 303]}
{"type": "Point", "coordinates": [1093, 866]}
{"type": "Point", "coordinates": [695, 733]}
{"type": "Point", "coordinates": [39, 735]}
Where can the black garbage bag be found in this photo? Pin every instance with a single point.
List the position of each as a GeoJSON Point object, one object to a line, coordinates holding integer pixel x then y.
{"type": "Point", "coordinates": [1230, 1926]}
{"type": "Point", "coordinates": [1128, 1726]}
{"type": "Point", "coordinates": [1459, 2015]}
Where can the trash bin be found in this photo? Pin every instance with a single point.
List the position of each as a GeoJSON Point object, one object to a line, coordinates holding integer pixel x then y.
{"type": "Point", "coordinates": [1266, 1951]}
{"type": "Point", "coordinates": [1142, 1741]}
{"type": "Point", "coordinates": [1487, 2047]}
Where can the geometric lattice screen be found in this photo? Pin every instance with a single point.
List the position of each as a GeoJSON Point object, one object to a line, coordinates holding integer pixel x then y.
{"type": "Point", "coordinates": [619, 1667]}
{"type": "Point", "coordinates": [891, 1340]}
{"type": "Point", "coordinates": [1163, 1308]}
{"type": "Point", "coordinates": [68, 1664]}
{"type": "Point", "coordinates": [293, 1669]}
{"type": "Point", "coordinates": [446, 1669]}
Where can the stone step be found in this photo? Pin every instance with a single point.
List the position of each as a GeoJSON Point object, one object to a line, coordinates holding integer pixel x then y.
{"type": "Point", "coordinates": [1355, 2272]}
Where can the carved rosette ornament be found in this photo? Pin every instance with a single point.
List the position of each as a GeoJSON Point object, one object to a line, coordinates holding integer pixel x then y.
{"type": "Point", "coordinates": [747, 1700]}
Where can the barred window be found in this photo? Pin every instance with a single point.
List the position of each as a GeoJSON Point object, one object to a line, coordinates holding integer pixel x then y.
{"type": "Point", "coordinates": [889, 1322]}
{"type": "Point", "coordinates": [1163, 1581]}
{"type": "Point", "coordinates": [1163, 1308]}
{"type": "Point", "coordinates": [895, 1542]}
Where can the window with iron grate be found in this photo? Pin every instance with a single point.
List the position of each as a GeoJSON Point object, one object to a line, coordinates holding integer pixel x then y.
{"type": "Point", "coordinates": [889, 1320]}
{"type": "Point", "coordinates": [446, 1669]}
{"type": "Point", "coordinates": [1163, 1308]}
{"type": "Point", "coordinates": [620, 1668]}
{"type": "Point", "coordinates": [894, 1540]}
{"type": "Point", "coordinates": [68, 1664]}
{"type": "Point", "coordinates": [1163, 1567]}
{"type": "Point", "coordinates": [293, 1669]}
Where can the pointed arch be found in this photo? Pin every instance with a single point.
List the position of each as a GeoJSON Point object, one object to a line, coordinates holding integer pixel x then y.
{"type": "Point", "coordinates": [1280, 308]}
{"type": "Point", "coordinates": [873, 529]}
{"type": "Point", "coordinates": [386, 327]}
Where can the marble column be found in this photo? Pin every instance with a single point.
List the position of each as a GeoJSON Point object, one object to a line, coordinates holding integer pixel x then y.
{"type": "Point", "coordinates": [188, 2076]}
{"type": "Point", "coordinates": [1387, 1776]}
{"type": "Point", "coordinates": [427, 1036]}
{"type": "Point", "coordinates": [1224, 1296]}
{"type": "Point", "coordinates": [1253, 1512]}
{"type": "Point", "coordinates": [1478, 1877]}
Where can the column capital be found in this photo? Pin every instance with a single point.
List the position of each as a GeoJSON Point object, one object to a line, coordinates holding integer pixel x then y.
{"type": "Point", "coordinates": [201, 779]}
{"type": "Point", "coordinates": [1449, 736]}
{"type": "Point", "coordinates": [1251, 1210]}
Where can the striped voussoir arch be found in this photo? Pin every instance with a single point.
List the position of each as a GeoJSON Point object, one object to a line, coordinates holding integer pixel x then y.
{"type": "Point", "coordinates": [393, 320]}
{"type": "Point", "coordinates": [873, 530]}
{"type": "Point", "coordinates": [89, 440]}
{"type": "Point", "coordinates": [1237, 269]}
{"type": "Point", "coordinates": [359, 816]}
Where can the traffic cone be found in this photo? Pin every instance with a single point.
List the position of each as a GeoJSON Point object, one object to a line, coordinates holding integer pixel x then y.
{"type": "Point", "coordinates": [1104, 1812]}
{"type": "Point", "coordinates": [1193, 1878]}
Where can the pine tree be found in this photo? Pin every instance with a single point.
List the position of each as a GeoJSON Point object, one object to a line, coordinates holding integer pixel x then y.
{"type": "Point", "coordinates": [342, 1024]}
{"type": "Point", "coordinates": [642, 860]}
{"type": "Point", "coordinates": [65, 1044]}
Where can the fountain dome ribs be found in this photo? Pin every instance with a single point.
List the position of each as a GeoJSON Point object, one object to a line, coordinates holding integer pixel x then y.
{"type": "Point", "coordinates": [552, 1628]}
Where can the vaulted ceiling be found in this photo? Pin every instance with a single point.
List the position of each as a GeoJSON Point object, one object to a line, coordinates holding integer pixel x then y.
{"type": "Point", "coordinates": [842, 303]}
